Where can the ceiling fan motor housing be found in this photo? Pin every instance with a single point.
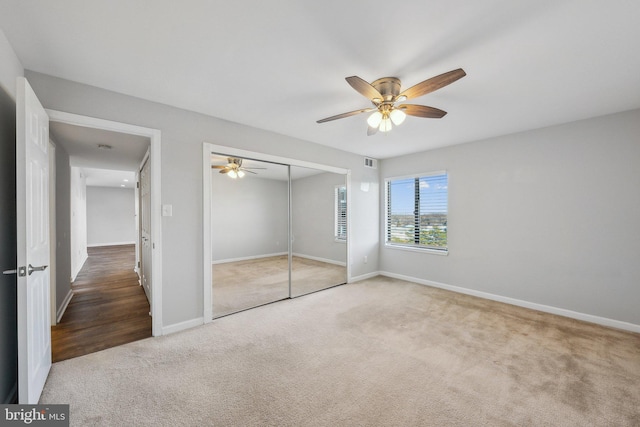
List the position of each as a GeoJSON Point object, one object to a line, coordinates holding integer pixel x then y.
{"type": "Point", "coordinates": [389, 88]}
{"type": "Point", "coordinates": [234, 161]}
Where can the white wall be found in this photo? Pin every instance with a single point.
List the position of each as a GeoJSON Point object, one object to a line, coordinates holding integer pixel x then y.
{"type": "Point", "coordinates": [313, 215]}
{"type": "Point", "coordinates": [249, 217]}
{"type": "Point", "coordinates": [110, 216]}
{"type": "Point", "coordinates": [78, 201]}
{"type": "Point", "coordinates": [183, 133]}
{"type": "Point", "coordinates": [549, 216]}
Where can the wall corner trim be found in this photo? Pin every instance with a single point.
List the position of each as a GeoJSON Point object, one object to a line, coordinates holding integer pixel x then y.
{"type": "Point", "coordinates": [604, 321]}
{"type": "Point", "coordinates": [364, 277]}
{"type": "Point", "coordinates": [63, 306]}
{"type": "Point", "coordinates": [181, 326]}
{"type": "Point", "coordinates": [74, 274]}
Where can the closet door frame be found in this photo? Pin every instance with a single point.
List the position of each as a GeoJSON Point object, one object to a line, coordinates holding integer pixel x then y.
{"type": "Point", "coordinates": [207, 150]}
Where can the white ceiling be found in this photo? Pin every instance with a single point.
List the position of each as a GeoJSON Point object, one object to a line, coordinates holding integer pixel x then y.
{"type": "Point", "coordinates": [104, 167]}
{"type": "Point", "coordinates": [281, 65]}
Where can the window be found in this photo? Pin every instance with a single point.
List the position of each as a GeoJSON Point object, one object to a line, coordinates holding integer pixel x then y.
{"type": "Point", "coordinates": [340, 229]}
{"type": "Point", "coordinates": [416, 210]}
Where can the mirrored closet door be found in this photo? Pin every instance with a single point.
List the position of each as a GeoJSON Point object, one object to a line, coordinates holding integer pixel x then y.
{"type": "Point", "coordinates": [277, 231]}
{"type": "Point", "coordinates": [250, 231]}
{"type": "Point", "coordinates": [319, 233]}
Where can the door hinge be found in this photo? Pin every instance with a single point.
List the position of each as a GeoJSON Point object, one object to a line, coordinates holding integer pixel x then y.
{"type": "Point", "coordinates": [138, 264]}
{"type": "Point", "coordinates": [138, 184]}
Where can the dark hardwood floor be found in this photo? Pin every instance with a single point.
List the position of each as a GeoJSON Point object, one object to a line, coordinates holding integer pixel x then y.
{"type": "Point", "coordinates": [108, 307]}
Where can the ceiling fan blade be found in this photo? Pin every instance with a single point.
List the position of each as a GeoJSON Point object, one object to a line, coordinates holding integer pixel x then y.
{"type": "Point", "coordinates": [364, 88]}
{"type": "Point", "coordinates": [372, 131]}
{"type": "Point", "coordinates": [225, 170]}
{"type": "Point", "coordinates": [422, 111]}
{"type": "Point", "coordinates": [217, 167]}
{"type": "Point", "coordinates": [343, 115]}
{"type": "Point", "coordinates": [433, 84]}
{"type": "Point", "coordinates": [255, 173]}
{"type": "Point", "coordinates": [253, 168]}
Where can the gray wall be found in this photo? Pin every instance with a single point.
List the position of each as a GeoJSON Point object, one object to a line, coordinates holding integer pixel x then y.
{"type": "Point", "coordinates": [313, 215]}
{"type": "Point", "coordinates": [183, 134]}
{"type": "Point", "coordinates": [78, 203]}
{"type": "Point", "coordinates": [249, 216]}
{"type": "Point", "coordinates": [549, 216]}
{"type": "Point", "coordinates": [110, 216]}
{"type": "Point", "coordinates": [63, 226]}
{"type": "Point", "coordinates": [10, 68]}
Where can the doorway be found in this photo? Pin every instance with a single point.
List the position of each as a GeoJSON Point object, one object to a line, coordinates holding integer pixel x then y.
{"type": "Point", "coordinates": [153, 136]}
{"type": "Point", "coordinates": [279, 231]}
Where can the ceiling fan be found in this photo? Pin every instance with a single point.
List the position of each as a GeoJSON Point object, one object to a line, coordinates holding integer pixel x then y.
{"type": "Point", "coordinates": [234, 168]}
{"type": "Point", "coordinates": [385, 96]}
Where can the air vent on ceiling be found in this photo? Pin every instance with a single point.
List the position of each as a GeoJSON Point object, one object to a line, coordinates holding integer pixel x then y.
{"type": "Point", "coordinates": [370, 163]}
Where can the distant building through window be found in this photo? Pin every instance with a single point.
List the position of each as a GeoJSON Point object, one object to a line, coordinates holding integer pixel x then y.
{"type": "Point", "coordinates": [416, 211]}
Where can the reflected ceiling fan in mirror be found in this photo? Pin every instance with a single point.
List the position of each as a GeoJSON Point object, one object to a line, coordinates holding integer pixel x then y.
{"type": "Point", "coordinates": [234, 168]}
{"type": "Point", "coordinates": [385, 95]}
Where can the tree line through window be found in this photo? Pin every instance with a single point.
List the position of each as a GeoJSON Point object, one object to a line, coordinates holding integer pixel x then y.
{"type": "Point", "coordinates": [417, 209]}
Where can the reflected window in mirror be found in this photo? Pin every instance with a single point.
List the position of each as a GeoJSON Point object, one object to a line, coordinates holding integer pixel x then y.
{"type": "Point", "coordinates": [340, 229]}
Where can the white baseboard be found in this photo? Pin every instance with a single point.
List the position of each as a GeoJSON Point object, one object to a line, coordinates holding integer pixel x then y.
{"type": "Point", "coordinates": [177, 327]}
{"type": "Point", "coordinates": [74, 274]}
{"type": "Point", "coordinates": [247, 258]}
{"type": "Point", "coordinates": [63, 306]}
{"type": "Point", "coordinates": [315, 258]}
{"type": "Point", "coordinates": [364, 277]}
{"type": "Point", "coordinates": [97, 245]}
{"type": "Point", "coordinates": [604, 321]}
{"type": "Point", "coordinates": [12, 396]}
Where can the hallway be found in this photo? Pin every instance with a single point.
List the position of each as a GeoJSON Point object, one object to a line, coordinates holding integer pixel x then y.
{"type": "Point", "coordinates": [108, 307]}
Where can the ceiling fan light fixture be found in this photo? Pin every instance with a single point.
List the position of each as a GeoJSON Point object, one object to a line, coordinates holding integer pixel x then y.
{"type": "Point", "coordinates": [385, 125]}
{"type": "Point", "coordinates": [232, 174]}
{"type": "Point", "coordinates": [375, 119]}
{"type": "Point", "coordinates": [386, 92]}
{"type": "Point", "coordinates": [240, 174]}
{"type": "Point", "coordinates": [397, 116]}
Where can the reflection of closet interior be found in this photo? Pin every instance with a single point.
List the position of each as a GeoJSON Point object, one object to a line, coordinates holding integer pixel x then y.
{"type": "Point", "coordinates": [278, 231]}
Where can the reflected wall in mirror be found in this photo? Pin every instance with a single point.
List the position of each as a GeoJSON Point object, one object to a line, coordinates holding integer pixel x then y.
{"type": "Point", "coordinates": [318, 212]}
{"type": "Point", "coordinates": [249, 233]}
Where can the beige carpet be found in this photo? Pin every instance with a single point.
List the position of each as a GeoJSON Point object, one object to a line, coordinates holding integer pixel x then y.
{"type": "Point", "coordinates": [380, 352]}
{"type": "Point", "coordinates": [240, 285]}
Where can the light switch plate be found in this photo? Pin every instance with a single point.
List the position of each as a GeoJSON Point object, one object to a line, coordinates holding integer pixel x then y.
{"type": "Point", "coordinates": [167, 210]}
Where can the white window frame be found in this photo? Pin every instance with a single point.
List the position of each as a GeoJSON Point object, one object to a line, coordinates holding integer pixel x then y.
{"type": "Point", "coordinates": [413, 246]}
{"type": "Point", "coordinates": [340, 215]}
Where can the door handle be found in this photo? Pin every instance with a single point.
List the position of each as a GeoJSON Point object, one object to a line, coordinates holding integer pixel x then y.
{"type": "Point", "coordinates": [32, 268]}
{"type": "Point", "coordinates": [21, 271]}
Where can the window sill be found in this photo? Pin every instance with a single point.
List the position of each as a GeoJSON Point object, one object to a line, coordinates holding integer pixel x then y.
{"type": "Point", "coordinates": [417, 249]}
{"type": "Point", "coordinates": [340, 240]}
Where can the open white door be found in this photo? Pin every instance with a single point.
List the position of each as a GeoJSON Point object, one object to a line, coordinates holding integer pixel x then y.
{"type": "Point", "coordinates": [32, 186]}
{"type": "Point", "coordinates": [145, 229]}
